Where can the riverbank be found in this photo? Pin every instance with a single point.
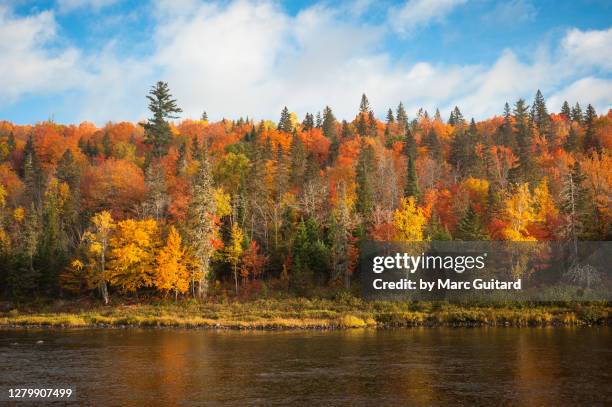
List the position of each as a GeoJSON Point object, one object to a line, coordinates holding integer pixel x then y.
{"type": "Point", "coordinates": [301, 313]}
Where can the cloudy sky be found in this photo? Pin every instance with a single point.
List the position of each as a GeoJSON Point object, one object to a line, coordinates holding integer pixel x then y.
{"type": "Point", "coordinates": [75, 60]}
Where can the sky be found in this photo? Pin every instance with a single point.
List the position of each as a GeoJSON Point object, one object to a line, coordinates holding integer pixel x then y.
{"type": "Point", "coordinates": [95, 60]}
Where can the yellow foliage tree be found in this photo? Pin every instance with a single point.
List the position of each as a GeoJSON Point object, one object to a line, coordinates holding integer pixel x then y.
{"type": "Point", "coordinates": [477, 189]}
{"type": "Point", "coordinates": [409, 221]}
{"type": "Point", "coordinates": [233, 251]}
{"type": "Point", "coordinates": [519, 211]}
{"type": "Point", "coordinates": [544, 204]}
{"type": "Point", "coordinates": [98, 240]}
{"type": "Point", "coordinates": [132, 254]}
{"type": "Point", "coordinates": [171, 273]}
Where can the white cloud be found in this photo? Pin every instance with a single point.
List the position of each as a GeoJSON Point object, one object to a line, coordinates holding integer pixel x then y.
{"type": "Point", "coordinates": [587, 90]}
{"type": "Point", "coordinates": [414, 14]}
{"type": "Point", "coordinates": [251, 58]}
{"type": "Point", "coordinates": [589, 48]}
{"type": "Point", "coordinates": [66, 6]}
{"type": "Point", "coordinates": [27, 63]}
{"type": "Point", "coordinates": [510, 13]}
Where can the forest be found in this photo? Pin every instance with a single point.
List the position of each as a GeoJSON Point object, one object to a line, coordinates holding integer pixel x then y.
{"type": "Point", "coordinates": [183, 208]}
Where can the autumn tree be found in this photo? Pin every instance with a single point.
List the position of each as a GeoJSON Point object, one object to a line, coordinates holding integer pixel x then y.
{"type": "Point", "coordinates": [132, 252]}
{"type": "Point", "coordinates": [97, 240]}
{"type": "Point", "coordinates": [170, 273]}
{"type": "Point", "coordinates": [233, 251]}
{"type": "Point", "coordinates": [409, 221]}
{"type": "Point", "coordinates": [253, 261]}
{"type": "Point", "coordinates": [520, 213]}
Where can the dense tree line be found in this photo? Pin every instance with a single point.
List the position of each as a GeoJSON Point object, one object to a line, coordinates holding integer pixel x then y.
{"type": "Point", "coordinates": [194, 207]}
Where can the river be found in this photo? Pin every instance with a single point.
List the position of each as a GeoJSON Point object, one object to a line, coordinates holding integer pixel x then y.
{"type": "Point", "coordinates": [418, 366]}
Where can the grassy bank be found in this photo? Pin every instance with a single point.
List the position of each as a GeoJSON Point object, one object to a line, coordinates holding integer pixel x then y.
{"type": "Point", "coordinates": [300, 313]}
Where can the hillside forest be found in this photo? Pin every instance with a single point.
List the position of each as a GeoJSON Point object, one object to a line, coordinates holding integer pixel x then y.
{"type": "Point", "coordinates": [184, 208]}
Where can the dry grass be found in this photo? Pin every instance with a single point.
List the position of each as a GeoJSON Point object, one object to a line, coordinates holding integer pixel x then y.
{"type": "Point", "coordinates": [302, 313]}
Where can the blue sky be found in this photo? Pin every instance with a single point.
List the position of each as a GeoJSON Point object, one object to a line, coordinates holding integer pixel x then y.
{"type": "Point", "coordinates": [75, 60]}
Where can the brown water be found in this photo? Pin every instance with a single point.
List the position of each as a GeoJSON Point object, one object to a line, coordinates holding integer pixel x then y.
{"type": "Point", "coordinates": [429, 366]}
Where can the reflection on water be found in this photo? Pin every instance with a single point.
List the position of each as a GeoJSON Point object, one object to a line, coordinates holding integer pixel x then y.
{"type": "Point", "coordinates": [440, 366]}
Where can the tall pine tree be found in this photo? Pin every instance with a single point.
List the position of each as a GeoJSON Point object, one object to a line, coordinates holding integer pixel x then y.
{"type": "Point", "coordinates": [157, 128]}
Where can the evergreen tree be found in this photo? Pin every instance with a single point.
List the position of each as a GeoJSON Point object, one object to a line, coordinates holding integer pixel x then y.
{"type": "Point", "coordinates": [281, 177]}
{"type": "Point", "coordinates": [541, 118]}
{"type": "Point", "coordinates": [11, 143]}
{"type": "Point", "coordinates": [436, 231]}
{"type": "Point", "coordinates": [410, 146]}
{"type": "Point", "coordinates": [329, 124]}
{"type": "Point", "coordinates": [28, 279]}
{"type": "Point", "coordinates": [412, 181]}
{"type": "Point", "coordinates": [526, 170]}
{"type": "Point", "coordinates": [298, 161]}
{"type": "Point", "coordinates": [456, 117]}
{"type": "Point", "coordinates": [591, 142]}
{"type": "Point", "coordinates": [362, 125]}
{"type": "Point", "coordinates": [365, 182]}
{"type": "Point", "coordinates": [571, 143]}
{"type": "Point", "coordinates": [347, 130]}
{"type": "Point", "coordinates": [33, 175]}
{"type": "Point", "coordinates": [460, 152]}
{"type": "Point", "coordinates": [284, 123]}
{"type": "Point", "coordinates": [373, 129]}
{"type": "Point", "coordinates": [402, 117]}
{"type": "Point", "coordinates": [390, 118]}
{"type": "Point", "coordinates": [69, 173]}
{"type": "Point", "coordinates": [204, 116]}
{"type": "Point", "coordinates": [577, 113]}
{"type": "Point", "coordinates": [494, 202]}
{"type": "Point", "coordinates": [566, 111]}
{"type": "Point", "coordinates": [438, 116]}
{"type": "Point", "coordinates": [318, 121]}
{"type": "Point", "coordinates": [434, 147]}
{"type": "Point", "coordinates": [364, 105]}
{"type": "Point", "coordinates": [157, 129]}
{"type": "Point", "coordinates": [470, 227]}
{"type": "Point", "coordinates": [507, 138]}
{"type": "Point", "coordinates": [308, 122]}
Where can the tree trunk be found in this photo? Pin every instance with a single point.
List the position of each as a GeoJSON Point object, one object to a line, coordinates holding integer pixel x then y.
{"type": "Point", "coordinates": [104, 291]}
{"type": "Point", "coordinates": [202, 287]}
{"type": "Point", "coordinates": [236, 279]}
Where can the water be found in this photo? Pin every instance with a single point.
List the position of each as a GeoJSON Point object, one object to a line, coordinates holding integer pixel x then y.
{"type": "Point", "coordinates": [428, 366]}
